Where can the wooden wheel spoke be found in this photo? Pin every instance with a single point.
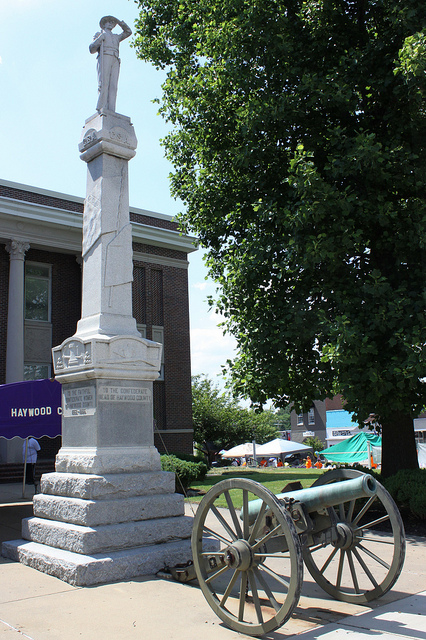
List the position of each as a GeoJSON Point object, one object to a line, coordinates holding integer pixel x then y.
{"type": "Point", "coordinates": [353, 572]}
{"type": "Point", "coordinates": [366, 569]}
{"type": "Point", "coordinates": [377, 540]}
{"type": "Point", "coordinates": [373, 523]}
{"type": "Point", "coordinates": [246, 526]}
{"type": "Point", "coordinates": [266, 538]}
{"type": "Point", "coordinates": [233, 514]}
{"type": "Point", "coordinates": [340, 569]}
{"type": "Point", "coordinates": [274, 575]}
{"type": "Point", "coordinates": [350, 513]}
{"type": "Point", "coordinates": [223, 522]}
{"type": "Point", "coordinates": [242, 596]}
{"type": "Point", "coordinates": [217, 574]}
{"type": "Point", "coordinates": [329, 559]}
{"type": "Point", "coordinates": [260, 515]}
{"type": "Point", "coordinates": [317, 547]}
{"type": "Point", "coordinates": [229, 588]}
{"type": "Point", "coordinates": [267, 589]}
{"type": "Point", "coordinates": [279, 555]}
{"type": "Point", "coordinates": [255, 595]}
{"type": "Point", "coordinates": [364, 509]}
{"type": "Point", "coordinates": [216, 535]}
{"type": "Point", "coordinates": [342, 513]}
{"type": "Point", "coordinates": [373, 556]}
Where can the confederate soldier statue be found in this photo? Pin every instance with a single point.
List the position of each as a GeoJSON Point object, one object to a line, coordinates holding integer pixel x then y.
{"type": "Point", "coordinates": [107, 44]}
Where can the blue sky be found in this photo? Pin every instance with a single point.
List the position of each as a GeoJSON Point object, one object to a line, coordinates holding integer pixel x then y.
{"type": "Point", "coordinates": [48, 88]}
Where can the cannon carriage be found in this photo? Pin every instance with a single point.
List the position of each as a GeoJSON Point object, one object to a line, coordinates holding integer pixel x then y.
{"type": "Point", "coordinates": [250, 546]}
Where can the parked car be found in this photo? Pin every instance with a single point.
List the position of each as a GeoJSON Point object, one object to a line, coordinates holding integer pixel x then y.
{"type": "Point", "coordinates": [294, 459]}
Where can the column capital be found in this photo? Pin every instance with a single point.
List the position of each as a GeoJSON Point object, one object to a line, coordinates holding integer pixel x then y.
{"type": "Point", "coordinates": [108, 132]}
{"type": "Point", "coordinates": [17, 248]}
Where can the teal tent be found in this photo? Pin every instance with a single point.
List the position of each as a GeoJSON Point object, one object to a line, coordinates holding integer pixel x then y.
{"type": "Point", "coordinates": [353, 449]}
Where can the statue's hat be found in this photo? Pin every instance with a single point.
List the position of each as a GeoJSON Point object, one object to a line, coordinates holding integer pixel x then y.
{"type": "Point", "coordinates": [106, 19]}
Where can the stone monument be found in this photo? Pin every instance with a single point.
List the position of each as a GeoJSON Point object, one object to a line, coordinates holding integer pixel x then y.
{"type": "Point", "coordinates": [108, 512]}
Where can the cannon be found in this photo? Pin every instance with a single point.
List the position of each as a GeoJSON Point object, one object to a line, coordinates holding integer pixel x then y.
{"type": "Point", "coordinates": [249, 546]}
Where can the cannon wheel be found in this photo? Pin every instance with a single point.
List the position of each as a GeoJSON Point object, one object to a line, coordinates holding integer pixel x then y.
{"type": "Point", "coordinates": [252, 580]}
{"type": "Point", "coordinates": [363, 564]}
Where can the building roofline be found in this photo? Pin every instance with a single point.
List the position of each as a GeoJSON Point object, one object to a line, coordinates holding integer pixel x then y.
{"type": "Point", "coordinates": [63, 218]}
{"type": "Point", "coordinates": [66, 196]}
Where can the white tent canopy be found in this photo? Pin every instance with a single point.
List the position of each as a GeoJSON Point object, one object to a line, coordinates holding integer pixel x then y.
{"type": "Point", "coordinates": [240, 451]}
{"type": "Point", "coordinates": [421, 452]}
{"type": "Point", "coordinates": [279, 446]}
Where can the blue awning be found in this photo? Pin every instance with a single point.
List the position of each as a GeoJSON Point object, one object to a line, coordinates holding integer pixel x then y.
{"type": "Point", "coordinates": [30, 408]}
{"type": "Point", "coordinates": [339, 419]}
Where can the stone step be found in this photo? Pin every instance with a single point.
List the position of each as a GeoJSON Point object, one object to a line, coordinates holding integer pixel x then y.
{"type": "Point", "coordinates": [104, 487]}
{"type": "Point", "coordinates": [87, 570]}
{"type": "Point", "coordinates": [105, 538]}
{"type": "Point", "coordinates": [91, 513]}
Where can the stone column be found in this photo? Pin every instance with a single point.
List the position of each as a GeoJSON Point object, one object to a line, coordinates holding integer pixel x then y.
{"type": "Point", "coordinates": [11, 450]}
{"type": "Point", "coordinates": [15, 311]}
{"type": "Point", "coordinates": [108, 143]}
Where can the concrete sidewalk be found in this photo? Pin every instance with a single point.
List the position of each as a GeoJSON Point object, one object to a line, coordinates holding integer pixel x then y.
{"type": "Point", "coordinates": [40, 607]}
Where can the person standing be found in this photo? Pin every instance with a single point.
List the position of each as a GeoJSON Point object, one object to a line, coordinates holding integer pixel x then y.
{"type": "Point", "coordinates": [106, 44]}
{"type": "Point", "coordinates": [30, 450]}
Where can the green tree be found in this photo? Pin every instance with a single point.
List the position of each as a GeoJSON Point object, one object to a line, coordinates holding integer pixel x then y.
{"type": "Point", "coordinates": [282, 418]}
{"type": "Point", "coordinates": [298, 143]}
{"type": "Point", "coordinates": [314, 442]}
{"type": "Point", "coordinates": [220, 421]}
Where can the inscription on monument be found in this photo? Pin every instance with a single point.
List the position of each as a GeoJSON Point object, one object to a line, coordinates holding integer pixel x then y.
{"type": "Point", "coordinates": [79, 401]}
{"type": "Point", "coordinates": [123, 394]}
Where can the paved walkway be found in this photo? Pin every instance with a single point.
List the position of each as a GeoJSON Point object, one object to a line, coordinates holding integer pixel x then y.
{"type": "Point", "coordinates": [37, 606]}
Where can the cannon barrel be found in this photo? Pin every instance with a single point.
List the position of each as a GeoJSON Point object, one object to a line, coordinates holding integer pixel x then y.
{"type": "Point", "coordinates": [323, 496]}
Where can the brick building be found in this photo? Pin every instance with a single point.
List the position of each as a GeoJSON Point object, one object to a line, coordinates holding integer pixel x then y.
{"type": "Point", "coordinates": [40, 257]}
{"type": "Point", "coordinates": [312, 423]}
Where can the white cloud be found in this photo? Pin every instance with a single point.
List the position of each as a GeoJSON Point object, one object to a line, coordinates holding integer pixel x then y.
{"type": "Point", "coordinates": [202, 286]}
{"type": "Point", "coordinates": [210, 350]}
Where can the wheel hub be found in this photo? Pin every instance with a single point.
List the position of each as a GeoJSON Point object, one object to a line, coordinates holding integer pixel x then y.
{"type": "Point", "coordinates": [239, 555]}
{"type": "Point", "coordinates": [346, 536]}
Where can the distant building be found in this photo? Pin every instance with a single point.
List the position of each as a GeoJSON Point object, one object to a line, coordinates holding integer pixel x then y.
{"type": "Point", "coordinates": [331, 423]}
{"type": "Point", "coordinates": [420, 428]}
{"type": "Point", "coordinates": [40, 273]}
{"type": "Point", "coordinates": [312, 423]}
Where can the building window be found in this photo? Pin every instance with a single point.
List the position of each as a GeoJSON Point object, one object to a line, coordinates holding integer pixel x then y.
{"type": "Point", "coordinates": [299, 419]}
{"type": "Point", "coordinates": [37, 291]}
{"type": "Point", "coordinates": [158, 336]}
{"type": "Point", "coordinates": [311, 416]}
{"type": "Point", "coordinates": [36, 371]}
{"type": "Point", "coordinates": [142, 330]}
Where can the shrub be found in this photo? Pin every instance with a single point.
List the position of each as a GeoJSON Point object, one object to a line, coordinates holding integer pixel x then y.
{"type": "Point", "coordinates": [186, 472]}
{"type": "Point", "coordinates": [408, 489]}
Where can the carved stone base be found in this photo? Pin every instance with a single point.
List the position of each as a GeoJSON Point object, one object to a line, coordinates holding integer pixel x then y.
{"type": "Point", "coordinates": [121, 357]}
{"type": "Point", "coordinates": [83, 570]}
{"type": "Point", "coordinates": [107, 460]}
{"type": "Point", "coordinates": [90, 528]}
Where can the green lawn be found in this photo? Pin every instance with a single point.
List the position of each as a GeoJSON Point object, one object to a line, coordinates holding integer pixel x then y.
{"type": "Point", "coordinates": [274, 479]}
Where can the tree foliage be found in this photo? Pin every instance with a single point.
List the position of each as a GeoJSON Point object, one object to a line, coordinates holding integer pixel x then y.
{"type": "Point", "coordinates": [298, 145]}
{"type": "Point", "coordinates": [314, 442]}
{"type": "Point", "coordinates": [219, 419]}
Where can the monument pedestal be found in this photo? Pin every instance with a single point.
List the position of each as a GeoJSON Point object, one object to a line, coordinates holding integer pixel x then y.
{"type": "Point", "coordinates": [89, 529]}
{"type": "Point", "coordinates": [108, 512]}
